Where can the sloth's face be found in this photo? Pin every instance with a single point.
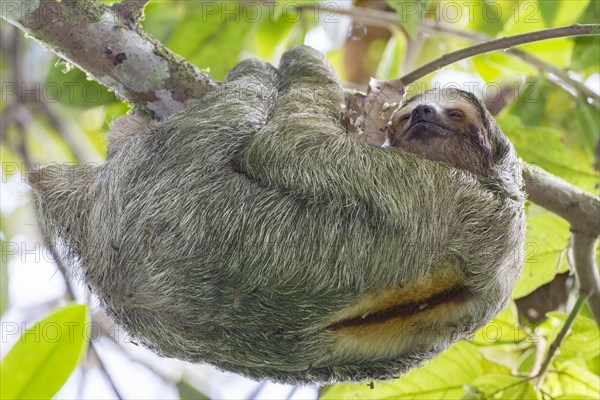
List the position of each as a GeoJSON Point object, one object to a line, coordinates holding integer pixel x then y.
{"type": "Point", "coordinates": [444, 125]}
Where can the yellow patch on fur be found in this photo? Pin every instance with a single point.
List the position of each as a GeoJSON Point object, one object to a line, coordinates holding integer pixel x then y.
{"type": "Point", "coordinates": [393, 321]}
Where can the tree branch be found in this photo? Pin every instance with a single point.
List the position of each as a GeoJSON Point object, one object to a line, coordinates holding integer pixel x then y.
{"type": "Point", "coordinates": [560, 338]}
{"type": "Point", "coordinates": [559, 75]}
{"type": "Point", "coordinates": [496, 44]}
{"type": "Point", "coordinates": [385, 19]}
{"type": "Point", "coordinates": [573, 204]}
{"type": "Point", "coordinates": [581, 210]}
{"type": "Point", "coordinates": [586, 270]}
{"type": "Point", "coordinates": [121, 56]}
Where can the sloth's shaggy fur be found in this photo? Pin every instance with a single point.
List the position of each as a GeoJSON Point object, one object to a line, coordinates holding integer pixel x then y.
{"type": "Point", "coordinates": [248, 230]}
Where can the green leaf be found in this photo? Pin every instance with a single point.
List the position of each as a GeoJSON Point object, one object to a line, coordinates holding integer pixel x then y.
{"type": "Point", "coordinates": [570, 380]}
{"type": "Point", "coordinates": [504, 357]}
{"type": "Point", "coordinates": [586, 52]}
{"type": "Point", "coordinates": [542, 103]}
{"type": "Point", "coordinates": [188, 391]}
{"type": "Point", "coordinates": [530, 104]}
{"type": "Point", "coordinates": [42, 360]}
{"type": "Point", "coordinates": [159, 23]}
{"type": "Point", "coordinates": [71, 87]}
{"type": "Point", "coordinates": [562, 12]}
{"type": "Point", "coordinates": [501, 68]}
{"type": "Point", "coordinates": [545, 244]}
{"type": "Point", "coordinates": [389, 65]}
{"type": "Point", "coordinates": [527, 17]}
{"type": "Point", "coordinates": [583, 342]}
{"type": "Point", "coordinates": [550, 149]}
{"type": "Point", "coordinates": [441, 378]}
{"type": "Point", "coordinates": [212, 34]}
{"type": "Point", "coordinates": [504, 328]}
{"type": "Point", "coordinates": [549, 11]}
{"type": "Point", "coordinates": [269, 35]}
{"type": "Point", "coordinates": [500, 386]}
{"type": "Point", "coordinates": [569, 12]}
{"type": "Point", "coordinates": [486, 17]}
{"type": "Point", "coordinates": [410, 12]}
{"type": "Point", "coordinates": [573, 116]}
{"type": "Point", "coordinates": [587, 116]}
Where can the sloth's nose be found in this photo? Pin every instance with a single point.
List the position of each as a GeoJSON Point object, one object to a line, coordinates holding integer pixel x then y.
{"type": "Point", "coordinates": [422, 111]}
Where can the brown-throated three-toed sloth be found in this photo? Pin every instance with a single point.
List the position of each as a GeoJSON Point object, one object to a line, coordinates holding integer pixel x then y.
{"type": "Point", "coordinates": [252, 233]}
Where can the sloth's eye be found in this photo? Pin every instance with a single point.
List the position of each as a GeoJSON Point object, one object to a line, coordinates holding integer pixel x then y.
{"type": "Point", "coordinates": [456, 114]}
{"type": "Point", "coordinates": [404, 118]}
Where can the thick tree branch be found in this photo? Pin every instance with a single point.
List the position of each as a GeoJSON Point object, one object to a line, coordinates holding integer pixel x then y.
{"type": "Point", "coordinates": [119, 55]}
{"type": "Point", "coordinates": [579, 208]}
{"type": "Point", "coordinates": [582, 211]}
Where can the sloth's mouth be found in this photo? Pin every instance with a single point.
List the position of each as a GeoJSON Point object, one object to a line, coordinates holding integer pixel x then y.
{"type": "Point", "coordinates": [424, 130]}
{"type": "Point", "coordinates": [404, 310]}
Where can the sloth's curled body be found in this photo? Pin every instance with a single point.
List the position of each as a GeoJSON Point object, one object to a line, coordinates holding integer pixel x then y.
{"type": "Point", "coordinates": [250, 232]}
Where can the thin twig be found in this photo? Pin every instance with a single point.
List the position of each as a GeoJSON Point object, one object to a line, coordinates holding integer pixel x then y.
{"type": "Point", "coordinates": [102, 366]}
{"type": "Point", "coordinates": [497, 44]}
{"type": "Point", "coordinates": [562, 76]}
{"type": "Point", "coordinates": [581, 298]}
{"type": "Point", "coordinates": [254, 394]}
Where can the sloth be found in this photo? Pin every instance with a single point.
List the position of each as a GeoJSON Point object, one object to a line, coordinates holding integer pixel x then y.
{"type": "Point", "coordinates": [450, 126]}
{"type": "Point", "coordinates": [251, 232]}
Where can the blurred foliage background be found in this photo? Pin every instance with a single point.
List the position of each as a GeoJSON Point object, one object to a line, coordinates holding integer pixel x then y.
{"type": "Point", "coordinates": [545, 97]}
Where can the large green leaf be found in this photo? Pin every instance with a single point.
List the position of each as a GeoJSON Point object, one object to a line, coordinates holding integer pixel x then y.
{"type": "Point", "coordinates": [444, 377]}
{"type": "Point", "coordinates": [72, 87]}
{"type": "Point", "coordinates": [504, 328]}
{"type": "Point", "coordinates": [550, 149]}
{"type": "Point", "coordinates": [501, 68]}
{"type": "Point", "coordinates": [484, 16]}
{"type": "Point", "coordinates": [530, 103]}
{"type": "Point", "coordinates": [159, 23]}
{"type": "Point", "coordinates": [571, 381]}
{"type": "Point", "coordinates": [545, 245]}
{"type": "Point", "coordinates": [532, 15]}
{"type": "Point", "coordinates": [42, 360]}
{"type": "Point", "coordinates": [268, 37]}
{"type": "Point", "coordinates": [568, 12]}
{"type": "Point", "coordinates": [572, 116]}
{"type": "Point", "coordinates": [208, 34]}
